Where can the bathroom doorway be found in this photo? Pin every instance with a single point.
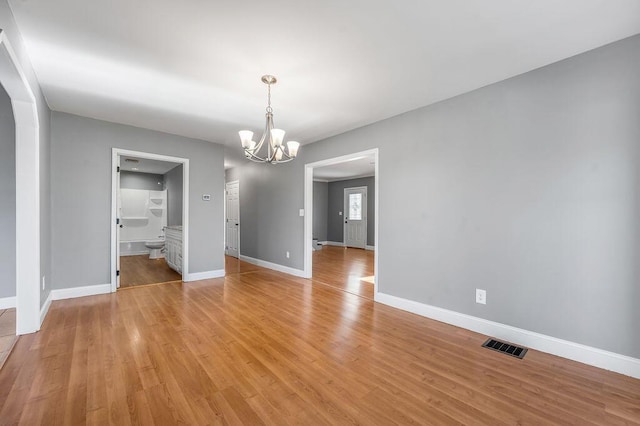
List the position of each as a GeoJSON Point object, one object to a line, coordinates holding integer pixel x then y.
{"type": "Point", "coordinates": [150, 205]}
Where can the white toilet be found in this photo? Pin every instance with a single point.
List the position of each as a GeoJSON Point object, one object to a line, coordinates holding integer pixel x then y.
{"type": "Point", "coordinates": [155, 248]}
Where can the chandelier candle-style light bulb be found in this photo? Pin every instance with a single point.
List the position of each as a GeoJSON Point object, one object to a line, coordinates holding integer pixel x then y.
{"type": "Point", "coordinates": [276, 136]}
{"type": "Point", "coordinates": [275, 148]}
{"type": "Point", "coordinates": [293, 146]}
{"type": "Point", "coordinates": [245, 138]}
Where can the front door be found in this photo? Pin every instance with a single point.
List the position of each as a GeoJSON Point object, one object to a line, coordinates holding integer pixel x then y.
{"type": "Point", "coordinates": [232, 245]}
{"type": "Point", "coordinates": [355, 220]}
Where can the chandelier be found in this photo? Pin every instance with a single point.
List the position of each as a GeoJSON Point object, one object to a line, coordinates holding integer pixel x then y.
{"type": "Point", "coordinates": [276, 152]}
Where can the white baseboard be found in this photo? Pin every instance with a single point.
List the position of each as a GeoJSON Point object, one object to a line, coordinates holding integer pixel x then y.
{"type": "Point", "coordinates": [575, 351]}
{"type": "Point", "coordinates": [45, 308]}
{"type": "Point", "coordinates": [339, 244]}
{"type": "Point", "coordinates": [7, 302]}
{"type": "Point", "coordinates": [70, 293]}
{"type": "Point", "coordinates": [197, 276]}
{"type": "Point", "coordinates": [332, 243]}
{"type": "Point", "coordinates": [274, 266]}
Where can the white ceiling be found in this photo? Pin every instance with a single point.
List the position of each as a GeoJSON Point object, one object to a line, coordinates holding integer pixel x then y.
{"type": "Point", "coordinates": [145, 165]}
{"type": "Point", "coordinates": [193, 67]}
{"type": "Point", "coordinates": [357, 167]}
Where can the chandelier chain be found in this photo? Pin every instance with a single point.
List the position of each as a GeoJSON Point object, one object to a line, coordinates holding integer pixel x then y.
{"type": "Point", "coordinates": [269, 109]}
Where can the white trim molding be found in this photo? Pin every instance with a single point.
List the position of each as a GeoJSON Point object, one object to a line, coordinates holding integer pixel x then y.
{"type": "Point", "coordinates": [71, 293]}
{"type": "Point", "coordinates": [45, 308]}
{"type": "Point", "coordinates": [274, 266]}
{"type": "Point", "coordinates": [197, 276]}
{"type": "Point", "coordinates": [7, 302]}
{"type": "Point", "coordinates": [27, 143]}
{"type": "Point", "coordinates": [575, 351]}
{"type": "Point", "coordinates": [339, 244]}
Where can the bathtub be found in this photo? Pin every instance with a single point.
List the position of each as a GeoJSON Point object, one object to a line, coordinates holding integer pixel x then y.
{"type": "Point", "coordinates": [132, 248]}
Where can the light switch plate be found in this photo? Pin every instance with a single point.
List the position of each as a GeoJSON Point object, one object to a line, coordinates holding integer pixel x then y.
{"type": "Point", "coordinates": [481, 296]}
{"type": "Point", "coordinates": [301, 212]}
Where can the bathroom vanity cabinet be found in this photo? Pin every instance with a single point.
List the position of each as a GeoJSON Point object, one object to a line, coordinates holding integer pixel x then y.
{"type": "Point", "coordinates": [173, 247]}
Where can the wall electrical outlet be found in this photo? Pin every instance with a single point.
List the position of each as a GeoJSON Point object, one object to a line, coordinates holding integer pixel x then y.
{"type": "Point", "coordinates": [481, 296]}
{"type": "Point", "coordinates": [43, 282]}
{"type": "Point", "coordinates": [287, 255]}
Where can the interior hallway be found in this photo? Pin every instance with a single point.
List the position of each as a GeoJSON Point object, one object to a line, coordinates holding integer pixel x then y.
{"type": "Point", "coordinates": [263, 347]}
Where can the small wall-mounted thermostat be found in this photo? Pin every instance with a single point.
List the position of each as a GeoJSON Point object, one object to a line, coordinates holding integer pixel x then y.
{"type": "Point", "coordinates": [206, 197]}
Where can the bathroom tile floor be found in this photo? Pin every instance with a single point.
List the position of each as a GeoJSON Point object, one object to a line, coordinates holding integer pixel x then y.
{"type": "Point", "coordinates": [7, 333]}
{"type": "Point", "coordinates": [140, 270]}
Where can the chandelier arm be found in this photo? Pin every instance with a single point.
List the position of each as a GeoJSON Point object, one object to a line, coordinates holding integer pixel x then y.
{"type": "Point", "coordinates": [283, 161]}
{"type": "Point", "coordinates": [287, 155]}
{"type": "Point", "coordinates": [256, 159]}
{"type": "Point", "coordinates": [262, 139]}
{"type": "Point", "coordinates": [271, 152]}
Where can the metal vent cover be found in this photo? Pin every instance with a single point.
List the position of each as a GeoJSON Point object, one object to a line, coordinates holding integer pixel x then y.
{"type": "Point", "coordinates": [506, 348]}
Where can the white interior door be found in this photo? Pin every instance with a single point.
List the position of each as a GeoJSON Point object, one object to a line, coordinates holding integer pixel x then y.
{"type": "Point", "coordinates": [119, 224]}
{"type": "Point", "coordinates": [232, 244]}
{"type": "Point", "coordinates": [355, 217]}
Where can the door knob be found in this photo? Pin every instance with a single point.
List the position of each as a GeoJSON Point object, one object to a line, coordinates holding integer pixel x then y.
{"type": "Point", "coordinates": [121, 226]}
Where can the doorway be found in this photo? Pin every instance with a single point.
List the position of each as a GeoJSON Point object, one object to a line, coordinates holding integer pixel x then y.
{"type": "Point", "coordinates": [232, 221]}
{"type": "Point", "coordinates": [150, 207]}
{"type": "Point", "coordinates": [338, 225]}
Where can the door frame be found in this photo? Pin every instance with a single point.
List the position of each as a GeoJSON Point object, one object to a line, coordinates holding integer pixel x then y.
{"type": "Point", "coordinates": [308, 208]}
{"type": "Point", "coordinates": [29, 315]}
{"type": "Point", "coordinates": [118, 152]}
{"type": "Point", "coordinates": [344, 215]}
{"type": "Point", "coordinates": [225, 215]}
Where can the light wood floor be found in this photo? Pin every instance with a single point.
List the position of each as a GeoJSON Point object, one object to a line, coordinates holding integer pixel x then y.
{"type": "Point", "coordinates": [140, 270]}
{"type": "Point", "coordinates": [347, 269]}
{"type": "Point", "coordinates": [7, 333]}
{"type": "Point", "coordinates": [261, 347]}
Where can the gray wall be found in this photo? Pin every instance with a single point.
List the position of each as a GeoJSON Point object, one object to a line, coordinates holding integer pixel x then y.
{"type": "Point", "coordinates": [320, 210]}
{"type": "Point", "coordinates": [336, 205]}
{"type": "Point", "coordinates": [10, 29]}
{"type": "Point", "coordinates": [173, 184]}
{"type": "Point", "coordinates": [136, 180]}
{"type": "Point", "coordinates": [82, 196]}
{"type": "Point", "coordinates": [527, 188]}
{"type": "Point", "coordinates": [7, 197]}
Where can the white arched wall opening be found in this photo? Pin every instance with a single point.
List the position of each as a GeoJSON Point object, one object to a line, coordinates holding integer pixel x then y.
{"type": "Point", "coordinates": [25, 115]}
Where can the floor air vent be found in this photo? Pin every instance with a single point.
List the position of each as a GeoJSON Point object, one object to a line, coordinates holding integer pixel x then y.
{"type": "Point", "coordinates": [506, 348]}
